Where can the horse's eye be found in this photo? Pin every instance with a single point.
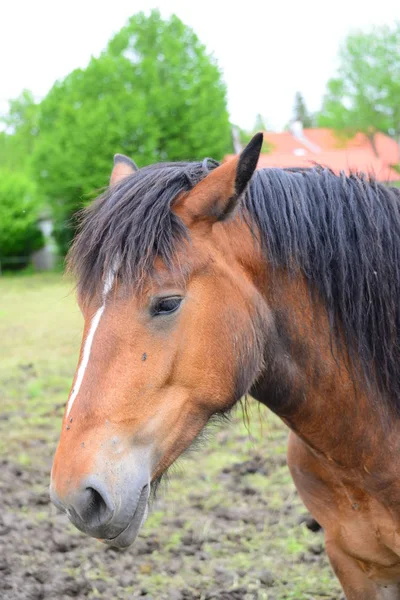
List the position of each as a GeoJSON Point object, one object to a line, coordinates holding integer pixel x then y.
{"type": "Point", "coordinates": [166, 306]}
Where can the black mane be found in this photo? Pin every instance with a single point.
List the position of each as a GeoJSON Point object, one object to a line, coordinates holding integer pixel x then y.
{"type": "Point", "coordinates": [342, 232]}
{"type": "Point", "coordinates": [131, 224]}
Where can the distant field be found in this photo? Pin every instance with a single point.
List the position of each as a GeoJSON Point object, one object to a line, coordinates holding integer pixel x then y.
{"type": "Point", "coordinates": [226, 527]}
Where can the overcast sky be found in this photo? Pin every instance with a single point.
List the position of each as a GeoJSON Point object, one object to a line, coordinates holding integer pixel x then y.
{"type": "Point", "coordinates": [267, 49]}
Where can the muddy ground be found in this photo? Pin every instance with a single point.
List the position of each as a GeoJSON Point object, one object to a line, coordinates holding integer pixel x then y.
{"type": "Point", "coordinates": [228, 525]}
{"type": "Point", "coordinates": [189, 551]}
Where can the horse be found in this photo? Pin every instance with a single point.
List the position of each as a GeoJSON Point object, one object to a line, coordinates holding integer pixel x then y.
{"type": "Point", "coordinates": [201, 282]}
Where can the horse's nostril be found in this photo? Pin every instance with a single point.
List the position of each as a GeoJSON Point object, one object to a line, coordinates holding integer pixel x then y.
{"type": "Point", "coordinates": [98, 507]}
{"type": "Point", "coordinates": [93, 506]}
{"type": "Point", "coordinates": [105, 509]}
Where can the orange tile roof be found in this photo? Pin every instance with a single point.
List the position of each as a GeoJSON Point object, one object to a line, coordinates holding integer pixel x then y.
{"type": "Point", "coordinates": [324, 147]}
{"type": "Point", "coordinates": [355, 159]}
{"type": "Point", "coordinates": [282, 142]}
{"type": "Point", "coordinates": [327, 139]}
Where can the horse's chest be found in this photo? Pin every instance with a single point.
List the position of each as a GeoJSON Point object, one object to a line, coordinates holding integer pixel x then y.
{"type": "Point", "coordinates": [373, 539]}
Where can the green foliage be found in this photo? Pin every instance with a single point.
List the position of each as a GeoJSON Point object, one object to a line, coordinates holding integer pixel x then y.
{"type": "Point", "coordinates": [365, 94]}
{"type": "Point", "coordinates": [17, 142]}
{"type": "Point", "coordinates": [5, 150]}
{"type": "Point", "coordinates": [23, 114]}
{"type": "Point", "coordinates": [300, 111]}
{"type": "Point", "coordinates": [84, 120]}
{"type": "Point", "coordinates": [19, 234]}
{"type": "Point", "coordinates": [181, 86]}
{"type": "Point", "coordinates": [153, 94]}
{"type": "Point", "coordinates": [19, 200]}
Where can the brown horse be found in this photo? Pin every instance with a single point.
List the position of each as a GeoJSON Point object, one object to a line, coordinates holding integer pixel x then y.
{"type": "Point", "coordinates": [200, 283]}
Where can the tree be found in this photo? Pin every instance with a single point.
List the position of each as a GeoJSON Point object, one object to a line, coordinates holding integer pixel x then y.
{"type": "Point", "coordinates": [259, 124]}
{"type": "Point", "coordinates": [181, 84]}
{"type": "Point", "coordinates": [5, 149]}
{"type": "Point", "coordinates": [21, 130]}
{"type": "Point", "coordinates": [365, 94]}
{"type": "Point", "coordinates": [19, 210]}
{"type": "Point", "coordinates": [20, 202]}
{"type": "Point", "coordinates": [300, 112]}
{"type": "Point", "coordinates": [154, 94]}
{"type": "Point", "coordinates": [84, 120]}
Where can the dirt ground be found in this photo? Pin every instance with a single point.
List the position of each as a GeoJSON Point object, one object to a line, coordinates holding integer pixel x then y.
{"type": "Point", "coordinates": [228, 525]}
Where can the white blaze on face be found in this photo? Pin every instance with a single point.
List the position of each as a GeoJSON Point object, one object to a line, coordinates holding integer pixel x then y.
{"type": "Point", "coordinates": [108, 283]}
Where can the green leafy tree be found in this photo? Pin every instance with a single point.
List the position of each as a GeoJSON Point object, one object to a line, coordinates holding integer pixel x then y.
{"type": "Point", "coordinates": [181, 83]}
{"type": "Point", "coordinates": [154, 94]}
{"type": "Point", "coordinates": [19, 210]}
{"type": "Point", "coordinates": [300, 111]}
{"type": "Point", "coordinates": [365, 95]}
{"type": "Point", "coordinates": [84, 120]}
{"type": "Point", "coordinates": [22, 114]}
{"type": "Point", "coordinates": [21, 130]}
{"type": "Point", "coordinates": [5, 145]}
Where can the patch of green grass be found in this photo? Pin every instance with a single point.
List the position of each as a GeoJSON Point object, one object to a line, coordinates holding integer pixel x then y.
{"type": "Point", "coordinates": [24, 459]}
{"type": "Point", "coordinates": [40, 329]}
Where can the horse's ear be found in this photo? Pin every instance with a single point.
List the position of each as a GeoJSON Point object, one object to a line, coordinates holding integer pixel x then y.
{"type": "Point", "coordinates": [123, 166]}
{"type": "Point", "coordinates": [218, 194]}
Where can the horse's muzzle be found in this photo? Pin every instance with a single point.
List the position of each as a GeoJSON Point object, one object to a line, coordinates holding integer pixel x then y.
{"type": "Point", "coordinates": [109, 508]}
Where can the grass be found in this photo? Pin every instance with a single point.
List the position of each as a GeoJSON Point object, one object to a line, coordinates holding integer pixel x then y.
{"type": "Point", "coordinates": [40, 331]}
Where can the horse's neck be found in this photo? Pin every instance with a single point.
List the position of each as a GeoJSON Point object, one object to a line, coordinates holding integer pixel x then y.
{"type": "Point", "coordinates": [307, 382]}
{"type": "Point", "coordinates": [306, 379]}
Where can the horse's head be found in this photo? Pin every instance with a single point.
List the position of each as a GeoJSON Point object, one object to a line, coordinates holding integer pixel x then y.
{"type": "Point", "coordinates": [170, 334]}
